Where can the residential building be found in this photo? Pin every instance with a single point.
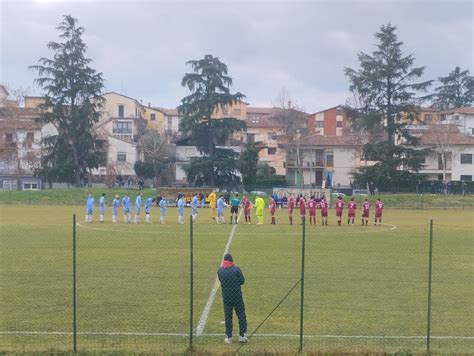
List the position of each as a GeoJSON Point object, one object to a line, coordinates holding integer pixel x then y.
{"type": "Point", "coordinates": [172, 118]}
{"type": "Point", "coordinates": [329, 122]}
{"type": "Point", "coordinates": [325, 161]}
{"type": "Point", "coordinates": [451, 153]}
{"type": "Point", "coordinates": [155, 118]}
{"type": "Point", "coordinates": [463, 118]}
{"type": "Point", "coordinates": [121, 123]}
{"type": "Point", "coordinates": [263, 127]}
{"type": "Point", "coordinates": [20, 144]}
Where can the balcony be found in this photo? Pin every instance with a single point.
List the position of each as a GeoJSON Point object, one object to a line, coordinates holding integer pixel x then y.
{"type": "Point", "coordinates": [124, 131]}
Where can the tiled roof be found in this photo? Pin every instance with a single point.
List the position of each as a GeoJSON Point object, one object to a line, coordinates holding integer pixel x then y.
{"type": "Point", "coordinates": [318, 140]}
{"type": "Point", "coordinates": [464, 110]}
{"type": "Point", "coordinates": [260, 110]}
{"type": "Point", "coordinates": [263, 122]}
{"type": "Point", "coordinates": [444, 134]}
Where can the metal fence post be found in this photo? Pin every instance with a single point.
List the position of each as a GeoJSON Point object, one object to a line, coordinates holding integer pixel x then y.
{"type": "Point", "coordinates": [303, 243]}
{"type": "Point", "coordinates": [191, 281]}
{"type": "Point", "coordinates": [74, 291]}
{"type": "Point", "coordinates": [430, 270]}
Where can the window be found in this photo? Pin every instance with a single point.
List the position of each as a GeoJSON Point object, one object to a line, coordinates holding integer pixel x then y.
{"type": "Point", "coordinates": [428, 118]}
{"type": "Point", "coordinates": [466, 178]}
{"type": "Point", "coordinates": [339, 124]}
{"type": "Point", "coordinates": [122, 127]}
{"type": "Point", "coordinates": [30, 136]}
{"type": "Point", "coordinates": [30, 186]}
{"type": "Point", "coordinates": [456, 117]}
{"type": "Point", "coordinates": [9, 184]}
{"type": "Point", "coordinates": [9, 137]}
{"type": "Point", "coordinates": [121, 111]}
{"type": "Point", "coordinates": [319, 124]}
{"type": "Point", "coordinates": [250, 138]}
{"type": "Point", "coordinates": [272, 150]}
{"type": "Point", "coordinates": [440, 177]}
{"type": "Point", "coordinates": [329, 159]}
{"type": "Point", "coordinates": [466, 158]}
{"type": "Point", "coordinates": [152, 117]}
{"type": "Point", "coordinates": [319, 158]}
{"type": "Point", "coordinates": [236, 112]}
{"type": "Point", "coordinates": [443, 117]}
{"type": "Point", "coordinates": [472, 131]}
{"type": "Point", "coordinates": [225, 111]}
{"type": "Point", "coordinates": [170, 122]}
{"type": "Point", "coordinates": [121, 157]}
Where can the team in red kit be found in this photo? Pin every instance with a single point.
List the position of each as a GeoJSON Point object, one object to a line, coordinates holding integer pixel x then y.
{"type": "Point", "coordinates": [313, 203]}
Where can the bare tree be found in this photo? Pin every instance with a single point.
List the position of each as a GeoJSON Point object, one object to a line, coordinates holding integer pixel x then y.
{"type": "Point", "coordinates": [157, 151]}
{"type": "Point", "coordinates": [293, 120]}
{"type": "Point", "coordinates": [443, 136]}
{"type": "Point", "coordinates": [19, 151]}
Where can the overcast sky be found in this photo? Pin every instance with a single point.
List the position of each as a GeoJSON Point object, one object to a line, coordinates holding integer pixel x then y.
{"type": "Point", "coordinates": [142, 47]}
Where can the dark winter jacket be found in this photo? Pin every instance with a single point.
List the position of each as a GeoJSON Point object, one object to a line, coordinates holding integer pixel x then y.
{"type": "Point", "coordinates": [231, 279]}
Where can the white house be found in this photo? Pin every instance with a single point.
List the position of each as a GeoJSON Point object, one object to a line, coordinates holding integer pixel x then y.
{"type": "Point", "coordinates": [463, 118]}
{"type": "Point", "coordinates": [451, 153]}
{"type": "Point", "coordinates": [326, 161]}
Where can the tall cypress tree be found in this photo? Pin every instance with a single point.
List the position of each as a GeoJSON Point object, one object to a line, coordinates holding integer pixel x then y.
{"type": "Point", "coordinates": [457, 90]}
{"type": "Point", "coordinates": [386, 83]}
{"type": "Point", "coordinates": [72, 101]}
{"type": "Point", "coordinates": [209, 85]}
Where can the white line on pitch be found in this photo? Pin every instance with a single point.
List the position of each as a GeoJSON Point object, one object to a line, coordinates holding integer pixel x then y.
{"type": "Point", "coordinates": [205, 313]}
{"type": "Point", "coordinates": [322, 336]}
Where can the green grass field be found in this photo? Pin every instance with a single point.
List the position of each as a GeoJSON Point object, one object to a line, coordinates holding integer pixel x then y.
{"type": "Point", "coordinates": [365, 287]}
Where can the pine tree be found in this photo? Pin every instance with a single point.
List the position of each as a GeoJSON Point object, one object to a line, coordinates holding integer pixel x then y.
{"type": "Point", "coordinates": [386, 84]}
{"type": "Point", "coordinates": [457, 90]}
{"type": "Point", "coordinates": [209, 85]}
{"type": "Point", "coordinates": [72, 102]}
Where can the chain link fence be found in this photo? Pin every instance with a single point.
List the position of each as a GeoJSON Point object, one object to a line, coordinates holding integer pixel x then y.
{"type": "Point", "coordinates": [102, 288]}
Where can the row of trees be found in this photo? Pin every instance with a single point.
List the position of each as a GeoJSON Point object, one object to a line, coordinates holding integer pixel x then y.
{"type": "Point", "coordinates": [385, 88]}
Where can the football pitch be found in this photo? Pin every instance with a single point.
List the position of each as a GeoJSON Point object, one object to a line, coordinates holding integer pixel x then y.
{"type": "Point", "coordinates": [366, 287]}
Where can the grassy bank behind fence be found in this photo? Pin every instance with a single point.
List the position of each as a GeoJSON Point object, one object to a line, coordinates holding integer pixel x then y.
{"type": "Point", "coordinates": [77, 196]}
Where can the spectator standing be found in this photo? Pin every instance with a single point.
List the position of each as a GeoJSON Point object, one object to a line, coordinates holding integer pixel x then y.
{"type": "Point", "coordinates": [231, 279]}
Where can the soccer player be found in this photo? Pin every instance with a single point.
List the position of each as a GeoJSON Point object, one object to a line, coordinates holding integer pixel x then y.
{"type": "Point", "coordinates": [291, 205]}
{"type": "Point", "coordinates": [323, 204]}
{"type": "Point", "coordinates": [312, 210]}
{"type": "Point", "coordinates": [89, 207]}
{"type": "Point", "coordinates": [351, 212]}
{"type": "Point", "coordinates": [102, 207]}
{"type": "Point", "coordinates": [138, 206]}
{"type": "Point", "coordinates": [115, 205]}
{"type": "Point", "coordinates": [302, 204]}
{"type": "Point", "coordinates": [180, 204]}
{"type": "Point", "coordinates": [339, 208]}
{"type": "Point", "coordinates": [365, 212]}
{"type": "Point", "coordinates": [246, 205]}
{"type": "Point", "coordinates": [259, 206]}
{"type": "Point", "coordinates": [378, 211]}
{"type": "Point", "coordinates": [194, 206]}
{"type": "Point", "coordinates": [162, 209]}
{"type": "Point", "coordinates": [212, 204]}
{"type": "Point", "coordinates": [272, 208]}
{"type": "Point", "coordinates": [126, 208]}
{"type": "Point", "coordinates": [234, 207]}
{"type": "Point", "coordinates": [148, 202]}
{"type": "Point", "coordinates": [220, 209]}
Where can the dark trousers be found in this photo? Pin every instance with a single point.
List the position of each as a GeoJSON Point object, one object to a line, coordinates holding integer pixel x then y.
{"type": "Point", "coordinates": [240, 311]}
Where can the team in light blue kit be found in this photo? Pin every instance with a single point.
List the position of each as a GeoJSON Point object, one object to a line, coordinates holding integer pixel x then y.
{"type": "Point", "coordinates": [138, 206]}
{"type": "Point", "coordinates": [180, 208]}
{"type": "Point", "coordinates": [126, 208]}
{"type": "Point", "coordinates": [194, 206]}
{"type": "Point", "coordinates": [115, 205]}
{"type": "Point", "coordinates": [89, 207]}
{"type": "Point", "coordinates": [102, 207]}
{"type": "Point", "coordinates": [148, 202]}
{"type": "Point", "coordinates": [162, 205]}
{"type": "Point", "coordinates": [220, 209]}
